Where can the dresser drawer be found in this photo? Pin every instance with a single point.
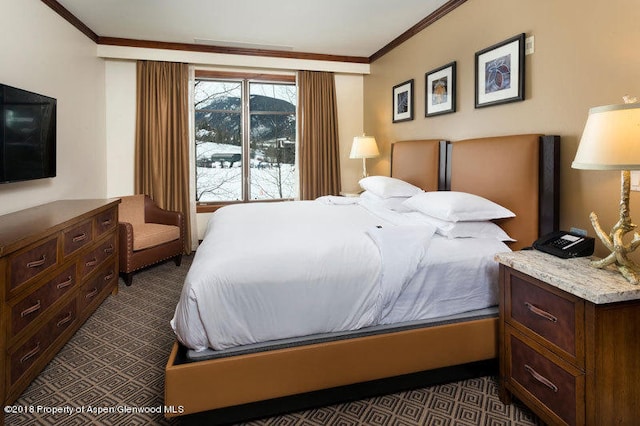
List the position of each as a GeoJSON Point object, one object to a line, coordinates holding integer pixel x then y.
{"type": "Point", "coordinates": [33, 262]}
{"type": "Point", "coordinates": [77, 237]}
{"type": "Point", "coordinates": [96, 257]}
{"type": "Point", "coordinates": [27, 354]}
{"type": "Point", "coordinates": [106, 221]}
{"type": "Point", "coordinates": [31, 307]}
{"type": "Point", "coordinates": [92, 290]}
{"type": "Point", "coordinates": [559, 388]}
{"type": "Point", "coordinates": [549, 313]}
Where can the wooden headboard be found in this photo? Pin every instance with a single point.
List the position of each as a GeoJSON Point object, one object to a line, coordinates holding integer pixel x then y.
{"type": "Point", "coordinates": [519, 172]}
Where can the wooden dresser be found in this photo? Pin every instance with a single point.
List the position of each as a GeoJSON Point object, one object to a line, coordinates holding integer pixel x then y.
{"type": "Point", "coordinates": [58, 262]}
{"type": "Point", "coordinates": [569, 340]}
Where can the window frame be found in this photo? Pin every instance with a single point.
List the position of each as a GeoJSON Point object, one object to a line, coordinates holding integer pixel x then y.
{"type": "Point", "coordinates": [245, 117]}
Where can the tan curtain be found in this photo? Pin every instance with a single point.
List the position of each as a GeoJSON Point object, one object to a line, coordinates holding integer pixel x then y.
{"type": "Point", "coordinates": [162, 137]}
{"type": "Point", "coordinates": [319, 146]}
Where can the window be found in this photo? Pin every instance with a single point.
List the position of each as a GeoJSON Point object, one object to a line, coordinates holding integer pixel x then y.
{"type": "Point", "coordinates": [245, 136]}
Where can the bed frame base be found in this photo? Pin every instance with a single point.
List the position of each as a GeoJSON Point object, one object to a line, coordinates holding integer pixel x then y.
{"type": "Point", "coordinates": [342, 394]}
{"type": "Point", "coordinates": [226, 382]}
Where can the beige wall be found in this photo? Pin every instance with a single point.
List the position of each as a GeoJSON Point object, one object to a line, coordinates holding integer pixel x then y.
{"type": "Point", "coordinates": [120, 83]}
{"type": "Point", "coordinates": [43, 53]}
{"type": "Point", "coordinates": [586, 54]}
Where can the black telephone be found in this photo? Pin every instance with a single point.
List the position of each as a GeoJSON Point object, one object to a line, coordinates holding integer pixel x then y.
{"type": "Point", "coordinates": [565, 244]}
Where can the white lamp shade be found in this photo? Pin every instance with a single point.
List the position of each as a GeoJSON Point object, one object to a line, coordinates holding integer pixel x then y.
{"type": "Point", "coordinates": [364, 147]}
{"type": "Point", "coordinates": [611, 139]}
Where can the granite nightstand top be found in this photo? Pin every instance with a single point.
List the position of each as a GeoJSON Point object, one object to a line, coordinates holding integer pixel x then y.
{"type": "Point", "coordinates": [574, 276]}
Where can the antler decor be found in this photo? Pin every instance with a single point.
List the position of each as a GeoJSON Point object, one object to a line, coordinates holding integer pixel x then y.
{"type": "Point", "coordinates": [613, 241]}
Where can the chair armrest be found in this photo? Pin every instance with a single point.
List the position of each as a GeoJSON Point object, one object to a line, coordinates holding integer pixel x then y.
{"type": "Point", "coordinates": [125, 236]}
{"type": "Point", "coordinates": [154, 214]}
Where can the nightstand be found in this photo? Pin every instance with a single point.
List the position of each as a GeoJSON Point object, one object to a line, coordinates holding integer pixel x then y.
{"type": "Point", "coordinates": [569, 340]}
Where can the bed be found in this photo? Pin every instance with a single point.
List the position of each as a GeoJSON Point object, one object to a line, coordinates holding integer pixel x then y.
{"type": "Point", "coordinates": [518, 172]}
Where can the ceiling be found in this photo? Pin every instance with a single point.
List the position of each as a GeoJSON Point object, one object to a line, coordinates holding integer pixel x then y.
{"type": "Point", "coordinates": [357, 28]}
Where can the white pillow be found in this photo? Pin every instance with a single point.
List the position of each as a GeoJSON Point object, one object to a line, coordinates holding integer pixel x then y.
{"type": "Point", "coordinates": [391, 203]}
{"type": "Point", "coordinates": [386, 187]}
{"type": "Point", "coordinates": [480, 229]}
{"type": "Point", "coordinates": [368, 195]}
{"type": "Point", "coordinates": [456, 206]}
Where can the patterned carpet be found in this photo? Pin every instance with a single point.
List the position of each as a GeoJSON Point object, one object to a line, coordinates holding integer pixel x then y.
{"type": "Point", "coordinates": [112, 373]}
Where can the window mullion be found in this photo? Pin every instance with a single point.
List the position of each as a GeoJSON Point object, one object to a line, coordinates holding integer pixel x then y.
{"type": "Point", "coordinates": [246, 152]}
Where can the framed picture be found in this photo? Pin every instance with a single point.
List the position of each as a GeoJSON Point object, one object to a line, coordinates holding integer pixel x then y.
{"type": "Point", "coordinates": [500, 73]}
{"type": "Point", "coordinates": [403, 101]}
{"type": "Point", "coordinates": [440, 90]}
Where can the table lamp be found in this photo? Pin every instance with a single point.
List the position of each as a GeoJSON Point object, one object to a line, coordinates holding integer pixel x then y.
{"type": "Point", "coordinates": [611, 141]}
{"type": "Point", "coordinates": [364, 147]}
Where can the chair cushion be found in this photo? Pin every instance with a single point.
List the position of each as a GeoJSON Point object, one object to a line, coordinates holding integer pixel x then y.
{"type": "Point", "coordinates": [146, 235]}
{"type": "Point", "coordinates": [131, 209]}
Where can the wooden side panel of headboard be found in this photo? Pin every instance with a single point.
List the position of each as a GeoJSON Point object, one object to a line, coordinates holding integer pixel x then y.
{"type": "Point", "coordinates": [511, 171]}
{"type": "Point", "coordinates": [419, 162]}
{"type": "Point", "coordinates": [549, 184]}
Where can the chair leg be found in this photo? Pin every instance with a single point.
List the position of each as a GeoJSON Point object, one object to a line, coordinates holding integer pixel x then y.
{"type": "Point", "coordinates": [127, 277]}
{"type": "Point", "coordinates": [178, 259]}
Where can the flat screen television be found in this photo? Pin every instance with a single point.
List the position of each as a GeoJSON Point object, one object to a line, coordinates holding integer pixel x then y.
{"type": "Point", "coordinates": [27, 135]}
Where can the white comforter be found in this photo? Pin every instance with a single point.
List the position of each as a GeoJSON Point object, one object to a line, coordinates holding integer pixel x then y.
{"type": "Point", "coordinates": [275, 270]}
{"type": "Point", "coordinates": [271, 271]}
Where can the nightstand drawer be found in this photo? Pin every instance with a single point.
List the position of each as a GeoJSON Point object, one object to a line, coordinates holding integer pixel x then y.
{"type": "Point", "coordinates": [552, 315]}
{"type": "Point", "coordinates": [559, 388]}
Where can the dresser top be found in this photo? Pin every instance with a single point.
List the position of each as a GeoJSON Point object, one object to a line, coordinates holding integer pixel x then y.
{"type": "Point", "coordinates": [575, 276]}
{"type": "Point", "coordinates": [23, 227]}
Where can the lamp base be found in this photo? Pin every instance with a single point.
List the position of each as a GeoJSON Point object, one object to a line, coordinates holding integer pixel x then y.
{"type": "Point", "coordinates": [613, 240]}
{"type": "Point", "coordinates": [364, 168]}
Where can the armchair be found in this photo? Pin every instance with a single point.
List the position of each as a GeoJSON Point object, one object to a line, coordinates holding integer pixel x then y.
{"type": "Point", "coordinates": [147, 235]}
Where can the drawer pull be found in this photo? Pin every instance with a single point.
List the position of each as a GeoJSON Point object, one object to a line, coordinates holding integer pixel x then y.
{"type": "Point", "coordinates": [106, 222]}
{"type": "Point", "coordinates": [30, 310]}
{"type": "Point", "coordinates": [79, 238]}
{"type": "Point", "coordinates": [65, 320]}
{"type": "Point", "coordinates": [109, 276]}
{"type": "Point", "coordinates": [541, 313]}
{"type": "Point", "coordinates": [539, 377]}
{"type": "Point", "coordinates": [30, 354]}
{"type": "Point", "coordinates": [108, 250]}
{"type": "Point", "coordinates": [37, 263]}
{"type": "Point", "coordinates": [92, 262]}
{"type": "Point", "coordinates": [65, 284]}
{"type": "Point", "coordinates": [91, 294]}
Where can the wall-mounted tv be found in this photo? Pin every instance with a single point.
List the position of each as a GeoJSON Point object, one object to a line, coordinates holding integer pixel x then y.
{"type": "Point", "coordinates": [27, 135]}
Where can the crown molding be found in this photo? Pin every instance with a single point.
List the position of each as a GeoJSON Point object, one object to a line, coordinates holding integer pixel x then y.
{"type": "Point", "coordinates": [116, 41]}
{"type": "Point", "coordinates": [189, 47]}
{"type": "Point", "coordinates": [433, 17]}
{"type": "Point", "coordinates": [70, 17]}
